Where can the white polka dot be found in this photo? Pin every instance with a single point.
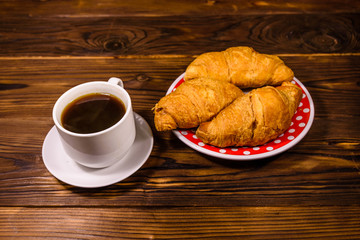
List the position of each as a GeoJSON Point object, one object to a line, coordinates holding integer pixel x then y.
{"type": "Point", "coordinates": [222, 150]}
{"type": "Point", "coordinates": [291, 130]}
{"type": "Point", "coordinates": [303, 96]}
{"type": "Point", "coordinates": [277, 141]}
{"type": "Point", "coordinates": [184, 132]}
{"type": "Point", "coordinates": [292, 123]}
{"type": "Point", "coordinates": [201, 144]}
{"type": "Point", "coordinates": [281, 135]}
{"type": "Point", "coordinates": [195, 137]}
{"type": "Point", "coordinates": [174, 89]}
{"type": "Point", "coordinates": [299, 118]}
{"type": "Point", "coordinates": [293, 81]}
{"type": "Point", "coordinates": [269, 148]}
{"type": "Point", "coordinates": [290, 137]}
{"type": "Point", "coordinates": [246, 152]}
{"type": "Point", "coordinates": [234, 149]}
{"type": "Point", "coordinates": [295, 112]}
{"type": "Point", "coordinates": [306, 110]}
{"type": "Point", "coordinates": [302, 125]}
{"type": "Point", "coordinates": [256, 148]}
{"type": "Point", "coordinates": [301, 104]}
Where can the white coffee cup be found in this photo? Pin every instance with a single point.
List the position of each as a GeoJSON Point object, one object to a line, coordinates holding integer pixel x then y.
{"type": "Point", "coordinates": [99, 149]}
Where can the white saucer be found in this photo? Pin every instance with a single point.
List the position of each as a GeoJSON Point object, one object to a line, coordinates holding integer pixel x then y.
{"type": "Point", "coordinates": [61, 166]}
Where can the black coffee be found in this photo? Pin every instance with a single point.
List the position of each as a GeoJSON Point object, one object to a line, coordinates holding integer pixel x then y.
{"type": "Point", "coordinates": [92, 113]}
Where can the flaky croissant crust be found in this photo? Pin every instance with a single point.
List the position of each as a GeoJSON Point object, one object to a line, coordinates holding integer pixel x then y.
{"type": "Point", "coordinates": [193, 102]}
{"type": "Point", "coordinates": [253, 119]}
{"type": "Point", "coordinates": [242, 66]}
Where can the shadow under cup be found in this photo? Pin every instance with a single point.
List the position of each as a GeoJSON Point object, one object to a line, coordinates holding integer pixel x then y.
{"type": "Point", "coordinates": [99, 149]}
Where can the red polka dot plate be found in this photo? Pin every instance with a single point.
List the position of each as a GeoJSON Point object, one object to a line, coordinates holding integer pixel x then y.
{"type": "Point", "coordinates": [300, 125]}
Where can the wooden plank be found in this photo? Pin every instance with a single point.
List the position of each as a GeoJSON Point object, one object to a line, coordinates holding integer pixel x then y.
{"type": "Point", "coordinates": [30, 87]}
{"type": "Point", "coordinates": [130, 8]}
{"type": "Point", "coordinates": [321, 170]}
{"type": "Point", "coordinates": [182, 177]}
{"type": "Point", "coordinates": [181, 223]}
{"type": "Point", "coordinates": [178, 35]}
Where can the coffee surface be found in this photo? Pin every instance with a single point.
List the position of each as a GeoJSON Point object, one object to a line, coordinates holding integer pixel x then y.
{"type": "Point", "coordinates": [92, 113]}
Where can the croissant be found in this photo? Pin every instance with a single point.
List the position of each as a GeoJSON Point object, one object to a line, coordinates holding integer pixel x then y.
{"type": "Point", "coordinates": [253, 119]}
{"type": "Point", "coordinates": [242, 66]}
{"type": "Point", "coordinates": [193, 102]}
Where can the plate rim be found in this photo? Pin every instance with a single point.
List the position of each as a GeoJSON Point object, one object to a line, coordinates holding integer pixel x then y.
{"type": "Point", "coordinates": [256, 156]}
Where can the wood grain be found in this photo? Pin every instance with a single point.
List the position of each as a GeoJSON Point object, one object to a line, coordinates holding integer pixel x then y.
{"type": "Point", "coordinates": [169, 8]}
{"type": "Point", "coordinates": [173, 179]}
{"type": "Point", "coordinates": [311, 191]}
{"type": "Point", "coordinates": [181, 223]}
{"type": "Point", "coordinates": [174, 35]}
{"type": "Point", "coordinates": [321, 169]}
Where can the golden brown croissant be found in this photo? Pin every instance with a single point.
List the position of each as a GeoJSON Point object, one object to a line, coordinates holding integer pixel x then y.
{"type": "Point", "coordinates": [253, 119]}
{"type": "Point", "coordinates": [193, 102]}
{"type": "Point", "coordinates": [242, 66]}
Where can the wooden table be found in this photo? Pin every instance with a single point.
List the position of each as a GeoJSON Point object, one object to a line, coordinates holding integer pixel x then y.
{"type": "Point", "coordinates": [310, 191]}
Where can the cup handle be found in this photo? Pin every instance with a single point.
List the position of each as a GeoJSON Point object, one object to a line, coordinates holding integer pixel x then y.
{"type": "Point", "coordinates": [116, 81]}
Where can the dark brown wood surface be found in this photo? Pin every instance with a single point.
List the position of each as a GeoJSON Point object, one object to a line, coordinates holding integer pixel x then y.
{"type": "Point", "coordinates": [310, 191]}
